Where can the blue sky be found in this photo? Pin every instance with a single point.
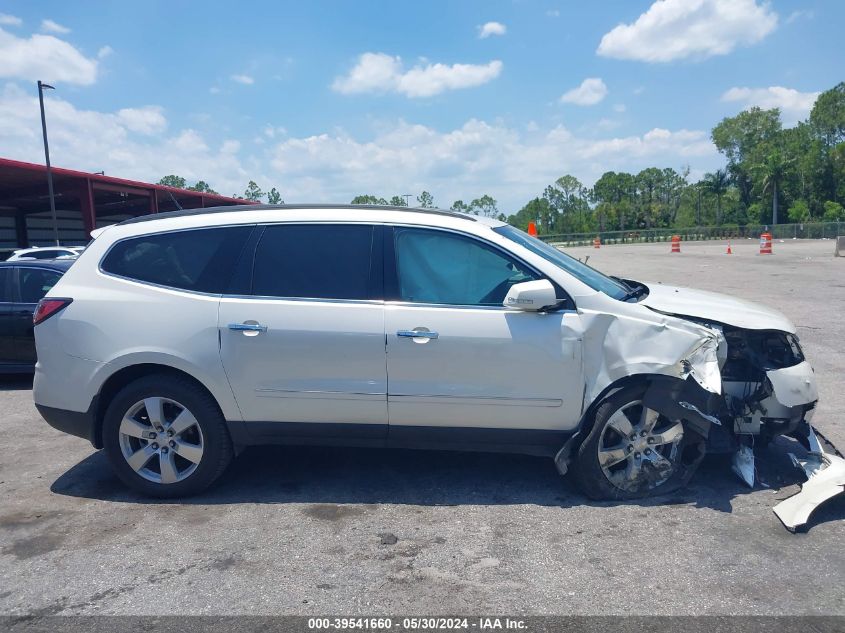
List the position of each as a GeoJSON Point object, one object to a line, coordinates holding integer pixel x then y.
{"type": "Point", "coordinates": [325, 100]}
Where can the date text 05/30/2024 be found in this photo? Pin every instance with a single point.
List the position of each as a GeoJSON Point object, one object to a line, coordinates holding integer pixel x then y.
{"type": "Point", "coordinates": [417, 623]}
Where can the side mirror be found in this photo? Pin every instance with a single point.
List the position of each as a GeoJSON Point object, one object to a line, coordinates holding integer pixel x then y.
{"type": "Point", "coordinates": [531, 296]}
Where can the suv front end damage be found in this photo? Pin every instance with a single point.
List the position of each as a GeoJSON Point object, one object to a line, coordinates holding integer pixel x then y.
{"type": "Point", "coordinates": [768, 389]}
{"type": "Point", "coordinates": [733, 371]}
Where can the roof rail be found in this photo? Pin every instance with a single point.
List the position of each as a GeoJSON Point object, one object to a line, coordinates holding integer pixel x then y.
{"type": "Point", "coordinates": [282, 207]}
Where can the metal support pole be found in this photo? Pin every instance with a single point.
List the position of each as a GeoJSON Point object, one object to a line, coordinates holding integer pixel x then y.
{"type": "Point", "coordinates": [86, 207]}
{"type": "Point", "coordinates": [41, 87]}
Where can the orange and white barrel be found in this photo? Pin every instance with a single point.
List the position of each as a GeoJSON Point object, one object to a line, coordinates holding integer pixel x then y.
{"type": "Point", "coordinates": [676, 243]}
{"type": "Point", "coordinates": [766, 244]}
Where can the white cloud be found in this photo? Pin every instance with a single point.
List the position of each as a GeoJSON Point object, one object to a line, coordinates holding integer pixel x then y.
{"type": "Point", "coordinates": [513, 164]}
{"type": "Point", "coordinates": [619, 107]}
{"type": "Point", "coordinates": [48, 26]}
{"type": "Point", "coordinates": [679, 29]}
{"type": "Point", "coordinates": [144, 120]}
{"type": "Point", "coordinates": [591, 91]}
{"type": "Point", "coordinates": [230, 146]}
{"type": "Point", "coordinates": [797, 15]}
{"type": "Point", "coordinates": [491, 28]}
{"type": "Point", "coordinates": [243, 79]}
{"type": "Point", "coordinates": [272, 131]}
{"type": "Point", "coordinates": [793, 104]}
{"type": "Point", "coordinates": [44, 57]}
{"type": "Point", "coordinates": [104, 52]}
{"type": "Point", "coordinates": [380, 73]}
{"type": "Point", "coordinates": [214, 90]}
{"type": "Point", "coordinates": [553, 13]}
{"type": "Point", "coordinates": [9, 20]}
{"type": "Point", "coordinates": [130, 143]}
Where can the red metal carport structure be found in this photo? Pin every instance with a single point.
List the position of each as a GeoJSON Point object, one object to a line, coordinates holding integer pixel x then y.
{"type": "Point", "coordinates": [83, 202]}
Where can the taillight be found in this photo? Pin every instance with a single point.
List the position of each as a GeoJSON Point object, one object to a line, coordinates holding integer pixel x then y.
{"type": "Point", "coordinates": [47, 308]}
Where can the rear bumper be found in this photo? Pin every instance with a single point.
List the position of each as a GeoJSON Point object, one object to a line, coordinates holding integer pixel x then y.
{"type": "Point", "coordinates": [81, 424]}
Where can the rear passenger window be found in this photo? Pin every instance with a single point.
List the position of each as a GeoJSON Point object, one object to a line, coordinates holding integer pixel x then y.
{"type": "Point", "coordinates": [34, 283]}
{"type": "Point", "coordinates": [198, 259]}
{"type": "Point", "coordinates": [317, 261]}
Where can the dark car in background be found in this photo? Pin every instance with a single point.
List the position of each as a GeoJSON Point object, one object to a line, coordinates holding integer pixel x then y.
{"type": "Point", "coordinates": [22, 285]}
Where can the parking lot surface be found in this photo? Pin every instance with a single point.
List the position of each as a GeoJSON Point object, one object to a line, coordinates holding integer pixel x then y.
{"type": "Point", "coordinates": [350, 531]}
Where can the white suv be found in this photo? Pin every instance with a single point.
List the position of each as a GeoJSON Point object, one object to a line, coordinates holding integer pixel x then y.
{"type": "Point", "coordinates": [178, 339]}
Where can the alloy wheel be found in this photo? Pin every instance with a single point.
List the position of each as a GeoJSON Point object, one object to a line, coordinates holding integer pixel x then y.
{"type": "Point", "coordinates": [639, 449]}
{"type": "Point", "coordinates": [161, 440]}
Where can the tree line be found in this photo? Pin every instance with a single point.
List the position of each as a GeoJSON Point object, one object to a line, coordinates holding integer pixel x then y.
{"type": "Point", "coordinates": [252, 193]}
{"type": "Point", "coordinates": [772, 175]}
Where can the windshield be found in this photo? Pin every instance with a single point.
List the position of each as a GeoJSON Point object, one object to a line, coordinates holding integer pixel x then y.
{"type": "Point", "coordinates": [590, 276]}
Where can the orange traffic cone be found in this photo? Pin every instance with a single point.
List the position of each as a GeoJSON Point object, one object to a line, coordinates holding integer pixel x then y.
{"type": "Point", "coordinates": [730, 252]}
{"type": "Point", "coordinates": [532, 228]}
{"type": "Point", "coordinates": [676, 244]}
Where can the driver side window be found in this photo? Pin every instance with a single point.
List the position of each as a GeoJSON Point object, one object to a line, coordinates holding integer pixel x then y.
{"type": "Point", "coordinates": [445, 268]}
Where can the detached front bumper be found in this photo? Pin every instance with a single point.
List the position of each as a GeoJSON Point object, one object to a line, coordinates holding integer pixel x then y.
{"type": "Point", "coordinates": [825, 479]}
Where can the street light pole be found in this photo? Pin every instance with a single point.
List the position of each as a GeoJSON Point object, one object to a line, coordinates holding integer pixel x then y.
{"type": "Point", "coordinates": [41, 87]}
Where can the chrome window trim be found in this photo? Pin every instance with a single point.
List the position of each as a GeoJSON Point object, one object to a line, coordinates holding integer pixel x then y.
{"type": "Point", "coordinates": [303, 299]}
{"type": "Point", "coordinates": [150, 284]}
{"type": "Point", "coordinates": [459, 306]}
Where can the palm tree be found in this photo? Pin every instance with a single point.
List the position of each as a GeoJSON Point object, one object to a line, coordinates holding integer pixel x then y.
{"type": "Point", "coordinates": [717, 183]}
{"type": "Point", "coordinates": [773, 170]}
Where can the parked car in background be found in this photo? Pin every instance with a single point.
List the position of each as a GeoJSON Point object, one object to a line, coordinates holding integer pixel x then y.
{"type": "Point", "coordinates": [46, 252]}
{"type": "Point", "coordinates": [22, 285]}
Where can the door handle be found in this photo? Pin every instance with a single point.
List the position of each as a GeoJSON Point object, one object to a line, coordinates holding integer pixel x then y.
{"type": "Point", "coordinates": [417, 334]}
{"type": "Point", "coordinates": [247, 327]}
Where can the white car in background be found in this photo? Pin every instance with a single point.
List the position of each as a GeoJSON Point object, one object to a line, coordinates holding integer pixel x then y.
{"type": "Point", "coordinates": [178, 339]}
{"type": "Point", "coordinates": [46, 252]}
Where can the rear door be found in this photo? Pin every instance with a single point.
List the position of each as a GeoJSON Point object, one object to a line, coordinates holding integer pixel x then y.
{"type": "Point", "coordinates": [30, 284]}
{"type": "Point", "coordinates": [302, 336]}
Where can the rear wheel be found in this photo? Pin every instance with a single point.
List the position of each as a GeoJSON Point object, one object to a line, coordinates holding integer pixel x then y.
{"type": "Point", "coordinates": [633, 451]}
{"type": "Point", "coordinates": [166, 437]}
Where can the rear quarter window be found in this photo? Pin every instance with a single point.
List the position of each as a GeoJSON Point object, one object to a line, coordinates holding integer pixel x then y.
{"type": "Point", "coordinates": [200, 260]}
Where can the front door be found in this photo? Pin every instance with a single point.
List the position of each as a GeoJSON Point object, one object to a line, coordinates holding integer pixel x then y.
{"type": "Point", "coordinates": [458, 358]}
{"type": "Point", "coordinates": [7, 338]}
{"type": "Point", "coordinates": [303, 342]}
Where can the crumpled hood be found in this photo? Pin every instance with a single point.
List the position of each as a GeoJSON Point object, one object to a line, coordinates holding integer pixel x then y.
{"type": "Point", "coordinates": [716, 307]}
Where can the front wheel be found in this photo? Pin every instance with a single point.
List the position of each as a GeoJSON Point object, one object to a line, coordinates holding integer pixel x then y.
{"type": "Point", "coordinates": [166, 437]}
{"type": "Point", "coordinates": [633, 451]}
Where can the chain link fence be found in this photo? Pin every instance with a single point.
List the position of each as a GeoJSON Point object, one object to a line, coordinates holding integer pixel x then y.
{"type": "Point", "coordinates": [815, 230]}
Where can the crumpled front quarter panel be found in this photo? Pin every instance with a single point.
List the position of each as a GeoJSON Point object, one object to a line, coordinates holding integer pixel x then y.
{"type": "Point", "coordinates": [620, 345]}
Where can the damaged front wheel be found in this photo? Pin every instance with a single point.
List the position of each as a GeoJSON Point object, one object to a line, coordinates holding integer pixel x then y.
{"type": "Point", "coordinates": [633, 451]}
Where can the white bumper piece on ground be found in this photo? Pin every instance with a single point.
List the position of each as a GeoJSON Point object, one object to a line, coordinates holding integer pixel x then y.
{"type": "Point", "coordinates": [825, 479]}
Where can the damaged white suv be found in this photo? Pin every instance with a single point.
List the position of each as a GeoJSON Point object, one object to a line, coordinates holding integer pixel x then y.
{"type": "Point", "coordinates": [178, 339]}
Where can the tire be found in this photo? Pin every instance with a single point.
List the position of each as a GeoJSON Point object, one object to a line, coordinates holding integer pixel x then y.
{"type": "Point", "coordinates": [185, 455]}
{"type": "Point", "coordinates": [647, 464]}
